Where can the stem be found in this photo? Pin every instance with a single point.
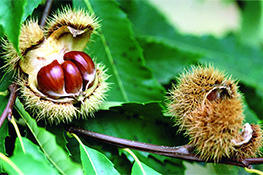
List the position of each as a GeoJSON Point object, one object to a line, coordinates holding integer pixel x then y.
{"type": "Point", "coordinates": [18, 133]}
{"type": "Point", "coordinates": [181, 152]}
{"type": "Point", "coordinates": [46, 12]}
{"type": "Point", "coordinates": [253, 171]}
{"type": "Point", "coordinates": [7, 113]}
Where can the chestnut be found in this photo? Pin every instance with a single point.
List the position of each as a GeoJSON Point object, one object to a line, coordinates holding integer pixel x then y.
{"type": "Point", "coordinates": [70, 78]}
{"type": "Point", "coordinates": [85, 65]}
{"type": "Point", "coordinates": [50, 79]}
{"type": "Point", "coordinates": [73, 78]}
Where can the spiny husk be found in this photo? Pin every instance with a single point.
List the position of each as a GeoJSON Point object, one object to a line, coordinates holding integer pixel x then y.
{"type": "Point", "coordinates": [31, 35]}
{"type": "Point", "coordinates": [68, 30]}
{"type": "Point", "coordinates": [252, 148]}
{"type": "Point", "coordinates": [213, 127]}
{"type": "Point", "coordinates": [77, 19]}
{"type": "Point", "coordinates": [192, 88]}
{"type": "Point", "coordinates": [64, 112]}
{"type": "Point", "coordinates": [207, 105]}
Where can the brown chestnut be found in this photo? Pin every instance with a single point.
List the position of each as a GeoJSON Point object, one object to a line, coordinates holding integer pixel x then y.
{"type": "Point", "coordinates": [83, 62]}
{"type": "Point", "coordinates": [73, 77]}
{"type": "Point", "coordinates": [50, 79]}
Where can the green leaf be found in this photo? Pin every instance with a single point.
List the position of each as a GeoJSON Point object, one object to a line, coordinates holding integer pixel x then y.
{"type": "Point", "coordinates": [10, 18]}
{"type": "Point", "coordinates": [47, 142]}
{"type": "Point", "coordinates": [136, 169]}
{"type": "Point", "coordinates": [3, 135]}
{"type": "Point", "coordinates": [208, 169]}
{"type": "Point", "coordinates": [250, 115]}
{"type": "Point", "coordinates": [146, 19]}
{"type": "Point", "coordinates": [223, 53]}
{"type": "Point", "coordinates": [4, 83]}
{"type": "Point", "coordinates": [108, 104]}
{"type": "Point", "coordinates": [165, 61]}
{"type": "Point", "coordinates": [36, 162]}
{"type": "Point", "coordinates": [139, 122]}
{"type": "Point", "coordinates": [95, 162]}
{"type": "Point", "coordinates": [30, 7]}
{"type": "Point", "coordinates": [116, 48]}
{"type": "Point", "coordinates": [30, 166]}
{"type": "Point", "coordinates": [252, 23]}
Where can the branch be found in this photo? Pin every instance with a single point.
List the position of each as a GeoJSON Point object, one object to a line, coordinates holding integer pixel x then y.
{"type": "Point", "coordinates": [46, 12]}
{"type": "Point", "coordinates": [182, 152]}
{"type": "Point", "coordinates": [7, 113]}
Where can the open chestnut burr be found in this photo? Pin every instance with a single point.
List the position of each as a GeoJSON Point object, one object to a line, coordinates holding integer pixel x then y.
{"type": "Point", "coordinates": [58, 81]}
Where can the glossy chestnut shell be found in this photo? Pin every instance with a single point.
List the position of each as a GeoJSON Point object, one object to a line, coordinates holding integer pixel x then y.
{"type": "Point", "coordinates": [70, 78]}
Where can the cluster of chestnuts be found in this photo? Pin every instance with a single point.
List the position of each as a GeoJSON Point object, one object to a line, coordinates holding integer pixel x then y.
{"type": "Point", "coordinates": [57, 80]}
{"type": "Point", "coordinates": [206, 104]}
{"type": "Point", "coordinates": [74, 76]}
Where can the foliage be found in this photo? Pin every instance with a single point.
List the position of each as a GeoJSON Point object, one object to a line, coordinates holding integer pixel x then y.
{"type": "Point", "coordinates": [143, 54]}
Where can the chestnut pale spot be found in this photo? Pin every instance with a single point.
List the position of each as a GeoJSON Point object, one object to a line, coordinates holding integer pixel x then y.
{"type": "Point", "coordinates": [73, 78]}
{"type": "Point", "coordinates": [82, 60]}
{"type": "Point", "coordinates": [84, 63]}
{"type": "Point", "coordinates": [50, 79]}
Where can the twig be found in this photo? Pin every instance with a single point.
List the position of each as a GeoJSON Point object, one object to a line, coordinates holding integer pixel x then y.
{"type": "Point", "coordinates": [7, 113]}
{"type": "Point", "coordinates": [182, 152]}
{"type": "Point", "coordinates": [46, 12]}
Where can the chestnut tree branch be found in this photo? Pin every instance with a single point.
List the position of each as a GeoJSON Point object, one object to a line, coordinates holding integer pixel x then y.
{"type": "Point", "coordinates": [46, 12]}
{"type": "Point", "coordinates": [182, 152]}
{"type": "Point", "coordinates": [7, 113]}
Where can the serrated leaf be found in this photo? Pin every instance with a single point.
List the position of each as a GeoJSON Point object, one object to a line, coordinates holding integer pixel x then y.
{"type": "Point", "coordinates": [136, 169]}
{"type": "Point", "coordinates": [116, 48]}
{"type": "Point", "coordinates": [36, 162]}
{"type": "Point", "coordinates": [47, 142]}
{"type": "Point", "coordinates": [30, 7]}
{"type": "Point", "coordinates": [95, 163]}
{"type": "Point", "coordinates": [10, 18]}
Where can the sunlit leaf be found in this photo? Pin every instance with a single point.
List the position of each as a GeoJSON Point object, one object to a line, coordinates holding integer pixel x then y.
{"type": "Point", "coordinates": [136, 169]}
{"type": "Point", "coordinates": [47, 142]}
{"type": "Point", "coordinates": [94, 162]}
{"type": "Point", "coordinates": [36, 162]}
